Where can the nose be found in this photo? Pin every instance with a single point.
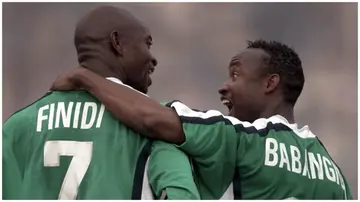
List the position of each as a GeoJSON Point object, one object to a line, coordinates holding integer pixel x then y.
{"type": "Point", "coordinates": [154, 62]}
{"type": "Point", "coordinates": [224, 88]}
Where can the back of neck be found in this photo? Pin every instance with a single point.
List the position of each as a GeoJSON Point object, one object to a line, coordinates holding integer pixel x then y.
{"type": "Point", "coordinates": [284, 109]}
{"type": "Point", "coordinates": [101, 68]}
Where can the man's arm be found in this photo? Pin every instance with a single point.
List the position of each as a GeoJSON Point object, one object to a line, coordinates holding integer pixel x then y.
{"type": "Point", "coordinates": [209, 138]}
{"type": "Point", "coordinates": [170, 173]}
{"type": "Point", "coordinates": [197, 133]}
{"type": "Point", "coordinates": [137, 111]}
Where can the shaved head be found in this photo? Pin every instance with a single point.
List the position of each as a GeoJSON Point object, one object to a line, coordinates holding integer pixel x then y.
{"type": "Point", "coordinates": [99, 23]}
{"type": "Point", "coordinates": [112, 42]}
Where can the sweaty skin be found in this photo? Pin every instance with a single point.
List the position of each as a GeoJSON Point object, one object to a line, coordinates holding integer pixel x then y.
{"type": "Point", "coordinates": [134, 109]}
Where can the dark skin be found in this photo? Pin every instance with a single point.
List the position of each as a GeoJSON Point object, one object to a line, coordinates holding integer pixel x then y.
{"type": "Point", "coordinates": [248, 89]}
{"type": "Point", "coordinates": [135, 110]}
{"type": "Point", "coordinates": [250, 92]}
{"type": "Point", "coordinates": [120, 49]}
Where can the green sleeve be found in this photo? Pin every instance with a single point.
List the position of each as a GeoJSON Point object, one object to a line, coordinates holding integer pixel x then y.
{"type": "Point", "coordinates": [211, 142]}
{"type": "Point", "coordinates": [12, 178]}
{"type": "Point", "coordinates": [206, 132]}
{"type": "Point", "coordinates": [170, 173]}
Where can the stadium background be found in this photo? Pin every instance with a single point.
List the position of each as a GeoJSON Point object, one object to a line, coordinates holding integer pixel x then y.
{"type": "Point", "coordinates": [194, 43]}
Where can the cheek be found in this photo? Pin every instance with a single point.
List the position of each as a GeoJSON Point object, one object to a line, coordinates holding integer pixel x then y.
{"type": "Point", "coordinates": [243, 93]}
{"type": "Point", "coordinates": [238, 88]}
{"type": "Point", "coordinates": [140, 58]}
{"type": "Point", "coordinates": [147, 55]}
{"type": "Point", "coordinates": [133, 53]}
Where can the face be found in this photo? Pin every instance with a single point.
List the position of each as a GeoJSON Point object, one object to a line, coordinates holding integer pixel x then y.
{"type": "Point", "coordinates": [243, 92]}
{"type": "Point", "coordinates": [138, 61]}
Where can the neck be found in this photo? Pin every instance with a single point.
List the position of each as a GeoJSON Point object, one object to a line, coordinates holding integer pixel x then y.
{"type": "Point", "coordinates": [101, 68]}
{"type": "Point", "coordinates": [286, 110]}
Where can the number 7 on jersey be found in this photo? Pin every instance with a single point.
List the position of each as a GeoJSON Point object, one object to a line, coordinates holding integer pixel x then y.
{"type": "Point", "coordinates": [81, 153]}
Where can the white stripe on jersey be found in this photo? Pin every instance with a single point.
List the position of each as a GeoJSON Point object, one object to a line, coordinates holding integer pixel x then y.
{"type": "Point", "coordinates": [146, 193]}
{"type": "Point", "coordinates": [261, 123]}
{"type": "Point", "coordinates": [229, 193]}
{"type": "Point", "coordinates": [116, 80]}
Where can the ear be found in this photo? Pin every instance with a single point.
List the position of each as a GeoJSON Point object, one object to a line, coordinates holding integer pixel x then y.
{"type": "Point", "coordinates": [116, 42]}
{"type": "Point", "coordinates": [272, 82]}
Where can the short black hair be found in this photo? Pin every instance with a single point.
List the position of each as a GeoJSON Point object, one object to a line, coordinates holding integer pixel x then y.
{"type": "Point", "coordinates": [285, 62]}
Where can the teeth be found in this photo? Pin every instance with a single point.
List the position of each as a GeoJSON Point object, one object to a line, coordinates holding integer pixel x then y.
{"type": "Point", "coordinates": [225, 102]}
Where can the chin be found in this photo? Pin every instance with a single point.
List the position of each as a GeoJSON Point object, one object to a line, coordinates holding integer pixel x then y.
{"type": "Point", "coordinates": [231, 113]}
{"type": "Point", "coordinates": [144, 90]}
{"type": "Point", "coordinates": [141, 89]}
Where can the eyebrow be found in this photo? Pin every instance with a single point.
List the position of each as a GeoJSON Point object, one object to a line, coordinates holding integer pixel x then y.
{"type": "Point", "coordinates": [233, 62]}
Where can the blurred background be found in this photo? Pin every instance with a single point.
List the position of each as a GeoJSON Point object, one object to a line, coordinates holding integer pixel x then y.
{"type": "Point", "coordinates": [194, 43]}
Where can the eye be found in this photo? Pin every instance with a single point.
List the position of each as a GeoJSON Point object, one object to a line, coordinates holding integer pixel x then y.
{"type": "Point", "coordinates": [148, 43]}
{"type": "Point", "coordinates": [234, 75]}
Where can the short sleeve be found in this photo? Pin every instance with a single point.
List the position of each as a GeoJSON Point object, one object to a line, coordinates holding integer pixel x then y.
{"type": "Point", "coordinates": [170, 173]}
{"type": "Point", "coordinates": [211, 141]}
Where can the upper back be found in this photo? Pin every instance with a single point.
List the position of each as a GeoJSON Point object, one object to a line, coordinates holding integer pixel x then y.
{"type": "Point", "coordinates": [278, 161]}
{"type": "Point", "coordinates": [70, 135]}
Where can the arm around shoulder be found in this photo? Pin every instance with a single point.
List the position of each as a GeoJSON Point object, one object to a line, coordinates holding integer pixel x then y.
{"type": "Point", "coordinates": [134, 109]}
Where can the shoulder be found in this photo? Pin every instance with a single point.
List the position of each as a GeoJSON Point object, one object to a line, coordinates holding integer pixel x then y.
{"type": "Point", "coordinates": [23, 113]}
{"type": "Point", "coordinates": [28, 113]}
{"type": "Point", "coordinates": [260, 126]}
{"type": "Point", "coordinates": [206, 117]}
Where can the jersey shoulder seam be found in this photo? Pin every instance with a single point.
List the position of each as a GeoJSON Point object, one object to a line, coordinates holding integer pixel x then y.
{"type": "Point", "coordinates": [210, 117]}
{"type": "Point", "coordinates": [29, 105]}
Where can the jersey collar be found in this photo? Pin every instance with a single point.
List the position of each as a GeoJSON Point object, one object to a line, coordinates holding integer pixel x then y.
{"type": "Point", "coordinates": [115, 80]}
{"type": "Point", "coordinates": [302, 132]}
{"type": "Point", "coordinates": [118, 81]}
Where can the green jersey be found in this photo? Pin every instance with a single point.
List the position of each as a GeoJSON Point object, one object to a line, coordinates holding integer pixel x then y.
{"type": "Point", "coordinates": [67, 146]}
{"type": "Point", "coordinates": [266, 159]}
{"type": "Point", "coordinates": [167, 161]}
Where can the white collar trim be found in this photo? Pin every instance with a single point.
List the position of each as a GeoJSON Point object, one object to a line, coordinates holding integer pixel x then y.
{"type": "Point", "coordinates": [118, 81]}
{"type": "Point", "coordinates": [115, 80]}
{"type": "Point", "coordinates": [261, 123]}
{"type": "Point", "coordinates": [303, 132]}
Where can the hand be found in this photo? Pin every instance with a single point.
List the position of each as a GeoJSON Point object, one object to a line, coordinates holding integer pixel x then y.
{"type": "Point", "coordinates": [67, 81]}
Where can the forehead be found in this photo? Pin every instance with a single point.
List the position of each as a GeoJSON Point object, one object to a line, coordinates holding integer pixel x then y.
{"type": "Point", "coordinates": [248, 60]}
{"type": "Point", "coordinates": [140, 31]}
{"type": "Point", "coordinates": [146, 34]}
{"type": "Point", "coordinates": [251, 55]}
{"type": "Point", "coordinates": [146, 31]}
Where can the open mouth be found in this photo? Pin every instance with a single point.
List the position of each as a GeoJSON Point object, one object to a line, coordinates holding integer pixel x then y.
{"type": "Point", "coordinates": [151, 70]}
{"type": "Point", "coordinates": [227, 102]}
